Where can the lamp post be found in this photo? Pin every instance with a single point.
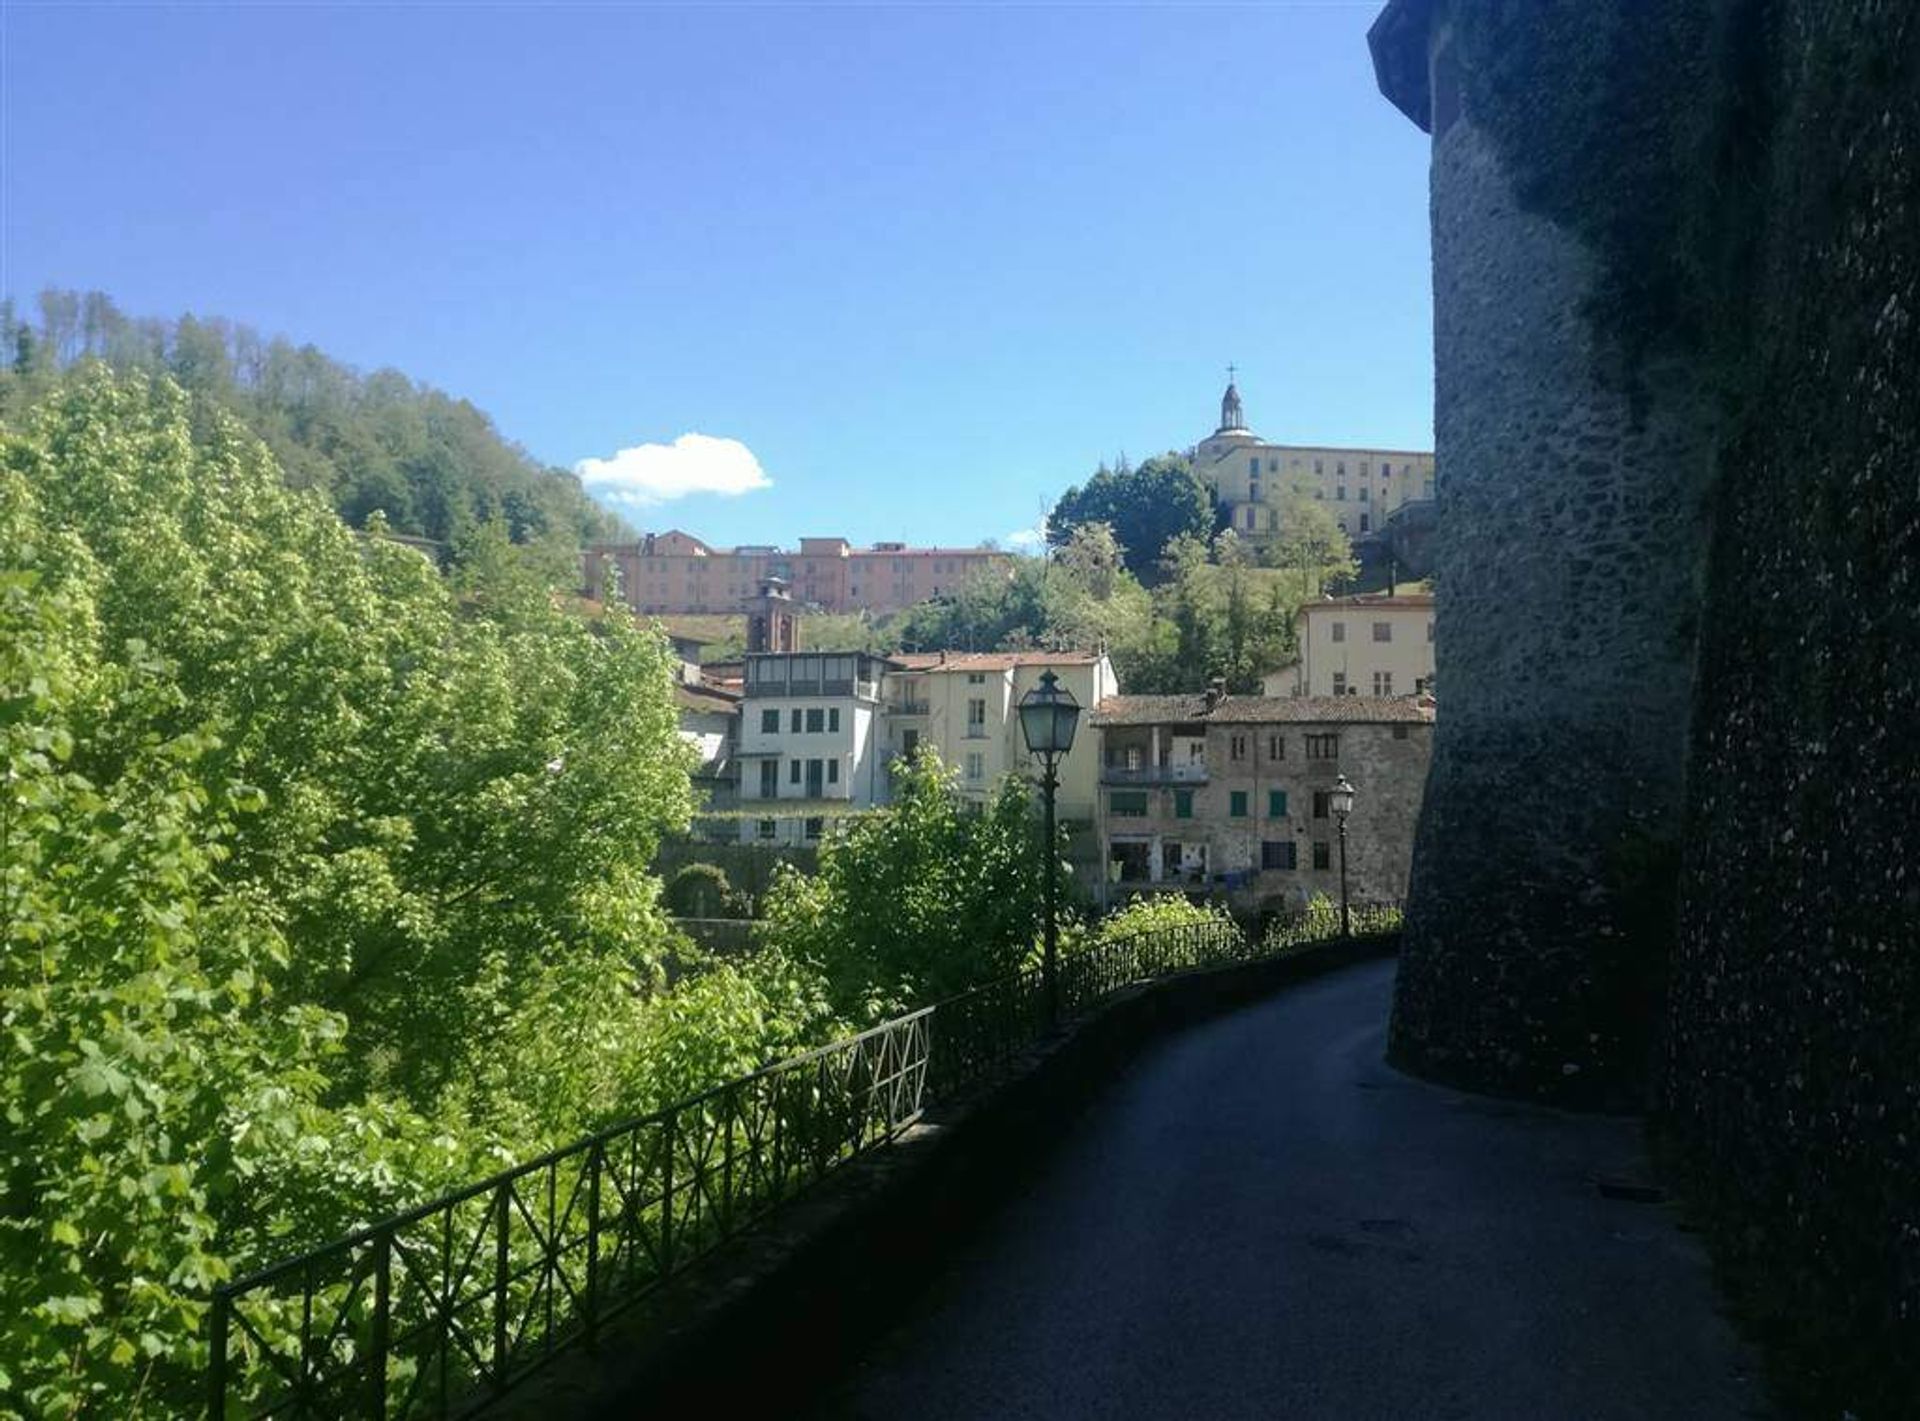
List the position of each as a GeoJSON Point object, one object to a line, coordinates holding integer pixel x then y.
{"type": "Point", "coordinates": [1342, 798]}
{"type": "Point", "coordinates": [1048, 717]}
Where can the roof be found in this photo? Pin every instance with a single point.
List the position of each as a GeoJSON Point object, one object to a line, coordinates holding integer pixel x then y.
{"type": "Point", "coordinates": [990, 660]}
{"type": "Point", "coordinates": [1422, 601]}
{"type": "Point", "coordinates": [1263, 710]}
{"type": "Point", "coordinates": [705, 698]}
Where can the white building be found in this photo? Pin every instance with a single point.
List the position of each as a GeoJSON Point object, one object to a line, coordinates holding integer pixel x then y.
{"type": "Point", "coordinates": [811, 747]}
{"type": "Point", "coordinates": [1361, 646]}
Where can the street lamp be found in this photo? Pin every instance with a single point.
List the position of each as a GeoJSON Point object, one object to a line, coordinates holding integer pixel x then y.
{"type": "Point", "coordinates": [1342, 799]}
{"type": "Point", "coordinates": [1048, 717]}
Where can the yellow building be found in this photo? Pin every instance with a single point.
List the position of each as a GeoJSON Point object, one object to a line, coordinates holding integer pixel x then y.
{"type": "Point", "coordinates": [965, 704]}
{"type": "Point", "coordinates": [1361, 646]}
{"type": "Point", "coordinates": [1251, 477]}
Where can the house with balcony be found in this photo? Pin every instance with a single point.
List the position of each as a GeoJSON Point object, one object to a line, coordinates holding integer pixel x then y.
{"type": "Point", "coordinates": [811, 743]}
{"type": "Point", "coordinates": [1229, 796]}
{"type": "Point", "coordinates": [965, 704]}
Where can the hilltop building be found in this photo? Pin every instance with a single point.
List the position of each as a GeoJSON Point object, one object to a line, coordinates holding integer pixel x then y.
{"type": "Point", "coordinates": [1229, 794]}
{"type": "Point", "coordinates": [1250, 477]}
{"type": "Point", "coordinates": [674, 572]}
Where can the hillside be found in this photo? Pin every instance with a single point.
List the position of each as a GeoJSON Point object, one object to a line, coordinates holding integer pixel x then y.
{"type": "Point", "coordinates": [433, 464]}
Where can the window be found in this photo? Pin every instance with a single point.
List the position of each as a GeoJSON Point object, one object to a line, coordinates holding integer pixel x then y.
{"type": "Point", "coordinates": [1383, 631]}
{"type": "Point", "coordinates": [1256, 465]}
{"type": "Point", "coordinates": [769, 777]}
{"type": "Point", "coordinates": [1399, 732]}
{"type": "Point", "coordinates": [1383, 683]}
{"type": "Point", "coordinates": [833, 720]}
{"type": "Point", "coordinates": [1323, 855]}
{"type": "Point", "coordinates": [1365, 520]}
{"type": "Point", "coordinates": [976, 718]}
{"type": "Point", "coordinates": [1339, 631]}
{"type": "Point", "coordinates": [1426, 488]}
{"type": "Point", "coordinates": [1323, 747]}
{"type": "Point", "coordinates": [976, 765]}
{"type": "Point", "coordinates": [816, 721]}
{"type": "Point", "coordinates": [1321, 801]}
{"type": "Point", "coordinates": [1237, 748]}
{"type": "Point", "coordinates": [1317, 467]}
{"type": "Point", "coordinates": [1276, 804]}
{"type": "Point", "coordinates": [1237, 804]}
{"type": "Point", "coordinates": [1276, 747]}
{"type": "Point", "coordinates": [1366, 494]}
{"type": "Point", "coordinates": [1276, 853]}
{"type": "Point", "coordinates": [794, 725]}
{"type": "Point", "coordinates": [769, 722]}
{"type": "Point", "coordinates": [1340, 491]}
{"type": "Point", "coordinates": [1128, 803]}
{"type": "Point", "coordinates": [793, 772]}
{"type": "Point", "coordinates": [1183, 804]}
{"type": "Point", "coordinates": [1385, 468]}
{"type": "Point", "coordinates": [1363, 468]}
{"type": "Point", "coordinates": [833, 772]}
{"type": "Point", "coordinates": [813, 828]}
{"type": "Point", "coordinates": [1341, 468]}
{"type": "Point", "coordinates": [1429, 628]}
{"type": "Point", "coordinates": [1339, 683]}
{"type": "Point", "coordinates": [768, 828]}
{"type": "Point", "coordinates": [976, 678]}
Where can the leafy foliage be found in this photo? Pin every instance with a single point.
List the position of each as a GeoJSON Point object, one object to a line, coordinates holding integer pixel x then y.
{"type": "Point", "coordinates": [1147, 507]}
{"type": "Point", "coordinates": [433, 466]}
{"type": "Point", "coordinates": [322, 882]}
{"type": "Point", "coordinates": [920, 899]}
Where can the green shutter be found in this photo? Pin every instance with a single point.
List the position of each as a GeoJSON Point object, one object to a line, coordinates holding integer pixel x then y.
{"type": "Point", "coordinates": [1276, 804]}
{"type": "Point", "coordinates": [1238, 804]}
{"type": "Point", "coordinates": [1183, 804]}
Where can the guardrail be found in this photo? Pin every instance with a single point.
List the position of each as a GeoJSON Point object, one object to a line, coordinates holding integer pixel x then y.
{"type": "Point", "coordinates": [440, 1310]}
{"type": "Point", "coordinates": [1188, 774]}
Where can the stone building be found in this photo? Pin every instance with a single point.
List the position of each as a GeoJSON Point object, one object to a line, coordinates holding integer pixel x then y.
{"type": "Point", "coordinates": [674, 572]}
{"type": "Point", "coordinates": [1361, 646]}
{"type": "Point", "coordinates": [1250, 478]}
{"type": "Point", "coordinates": [1229, 794]}
{"type": "Point", "coordinates": [1667, 849]}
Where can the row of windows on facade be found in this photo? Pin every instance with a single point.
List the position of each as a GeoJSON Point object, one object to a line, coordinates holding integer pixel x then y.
{"type": "Point", "coordinates": [1319, 747]}
{"type": "Point", "coordinates": [1339, 466]}
{"type": "Point", "coordinates": [817, 773]}
{"type": "Point", "coordinates": [815, 722]}
{"type": "Point", "coordinates": [1133, 803]}
{"type": "Point", "coordinates": [1382, 631]}
{"type": "Point", "coordinates": [1382, 686]}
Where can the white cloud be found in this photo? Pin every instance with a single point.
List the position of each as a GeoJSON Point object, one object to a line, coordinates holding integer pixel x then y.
{"type": "Point", "coordinates": [654, 473]}
{"type": "Point", "coordinates": [1027, 537]}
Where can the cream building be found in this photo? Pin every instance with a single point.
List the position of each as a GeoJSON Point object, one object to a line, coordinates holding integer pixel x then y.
{"type": "Point", "coordinates": [1251, 477]}
{"type": "Point", "coordinates": [965, 706]}
{"type": "Point", "coordinates": [1361, 646]}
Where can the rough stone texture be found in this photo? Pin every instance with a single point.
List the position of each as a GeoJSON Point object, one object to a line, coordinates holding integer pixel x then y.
{"type": "Point", "coordinates": [1792, 1082]}
{"type": "Point", "coordinates": [1722, 197]}
{"type": "Point", "coordinates": [1543, 863]}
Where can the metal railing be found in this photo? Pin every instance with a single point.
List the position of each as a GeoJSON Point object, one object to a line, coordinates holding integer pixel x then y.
{"type": "Point", "coordinates": [1188, 774]}
{"type": "Point", "coordinates": [439, 1310]}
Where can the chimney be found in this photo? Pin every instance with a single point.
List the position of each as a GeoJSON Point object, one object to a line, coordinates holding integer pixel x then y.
{"type": "Point", "coordinates": [1216, 693]}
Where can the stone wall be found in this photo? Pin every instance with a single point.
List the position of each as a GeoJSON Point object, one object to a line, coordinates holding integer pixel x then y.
{"type": "Point", "coordinates": [1711, 208]}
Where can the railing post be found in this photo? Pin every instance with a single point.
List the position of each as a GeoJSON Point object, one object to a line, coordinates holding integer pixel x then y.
{"type": "Point", "coordinates": [217, 1362]}
{"type": "Point", "coordinates": [592, 1319]}
{"type": "Point", "coordinates": [666, 1193]}
{"type": "Point", "coordinates": [732, 1099]}
{"type": "Point", "coordinates": [502, 1267]}
{"type": "Point", "coordinates": [382, 1324]}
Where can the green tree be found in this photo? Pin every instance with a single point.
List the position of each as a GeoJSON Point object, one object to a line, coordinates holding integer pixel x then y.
{"type": "Point", "coordinates": [1147, 507]}
{"type": "Point", "coordinates": [1310, 545]}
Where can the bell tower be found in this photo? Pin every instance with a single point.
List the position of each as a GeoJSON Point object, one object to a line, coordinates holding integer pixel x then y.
{"type": "Point", "coordinates": [773, 623]}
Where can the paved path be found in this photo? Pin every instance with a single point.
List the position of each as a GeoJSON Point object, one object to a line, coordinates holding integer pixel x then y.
{"type": "Point", "coordinates": [1259, 1219]}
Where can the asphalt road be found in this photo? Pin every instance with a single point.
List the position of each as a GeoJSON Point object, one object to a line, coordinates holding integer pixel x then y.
{"type": "Point", "coordinates": [1260, 1219]}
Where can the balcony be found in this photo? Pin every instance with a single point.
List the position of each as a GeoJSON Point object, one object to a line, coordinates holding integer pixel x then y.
{"type": "Point", "coordinates": [909, 707]}
{"type": "Point", "coordinates": [1188, 774]}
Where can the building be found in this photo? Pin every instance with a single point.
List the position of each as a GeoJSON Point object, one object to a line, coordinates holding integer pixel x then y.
{"type": "Point", "coordinates": [811, 743]}
{"type": "Point", "coordinates": [710, 722]}
{"type": "Point", "coordinates": [674, 572]}
{"type": "Point", "coordinates": [1361, 646]}
{"type": "Point", "coordinates": [1228, 794]}
{"type": "Point", "coordinates": [1250, 477]}
{"type": "Point", "coordinates": [965, 706]}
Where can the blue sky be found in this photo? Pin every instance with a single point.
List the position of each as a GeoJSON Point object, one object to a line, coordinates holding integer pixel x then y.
{"type": "Point", "coordinates": [927, 264]}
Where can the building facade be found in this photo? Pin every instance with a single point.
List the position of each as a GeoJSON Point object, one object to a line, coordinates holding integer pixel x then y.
{"type": "Point", "coordinates": [1229, 795]}
{"type": "Point", "coordinates": [811, 747]}
{"type": "Point", "coordinates": [1361, 646]}
{"type": "Point", "coordinates": [964, 705]}
{"type": "Point", "coordinates": [674, 572]}
{"type": "Point", "coordinates": [1250, 477]}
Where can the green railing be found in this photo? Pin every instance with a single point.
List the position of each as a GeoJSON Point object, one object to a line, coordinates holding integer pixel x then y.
{"type": "Point", "coordinates": [438, 1311]}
